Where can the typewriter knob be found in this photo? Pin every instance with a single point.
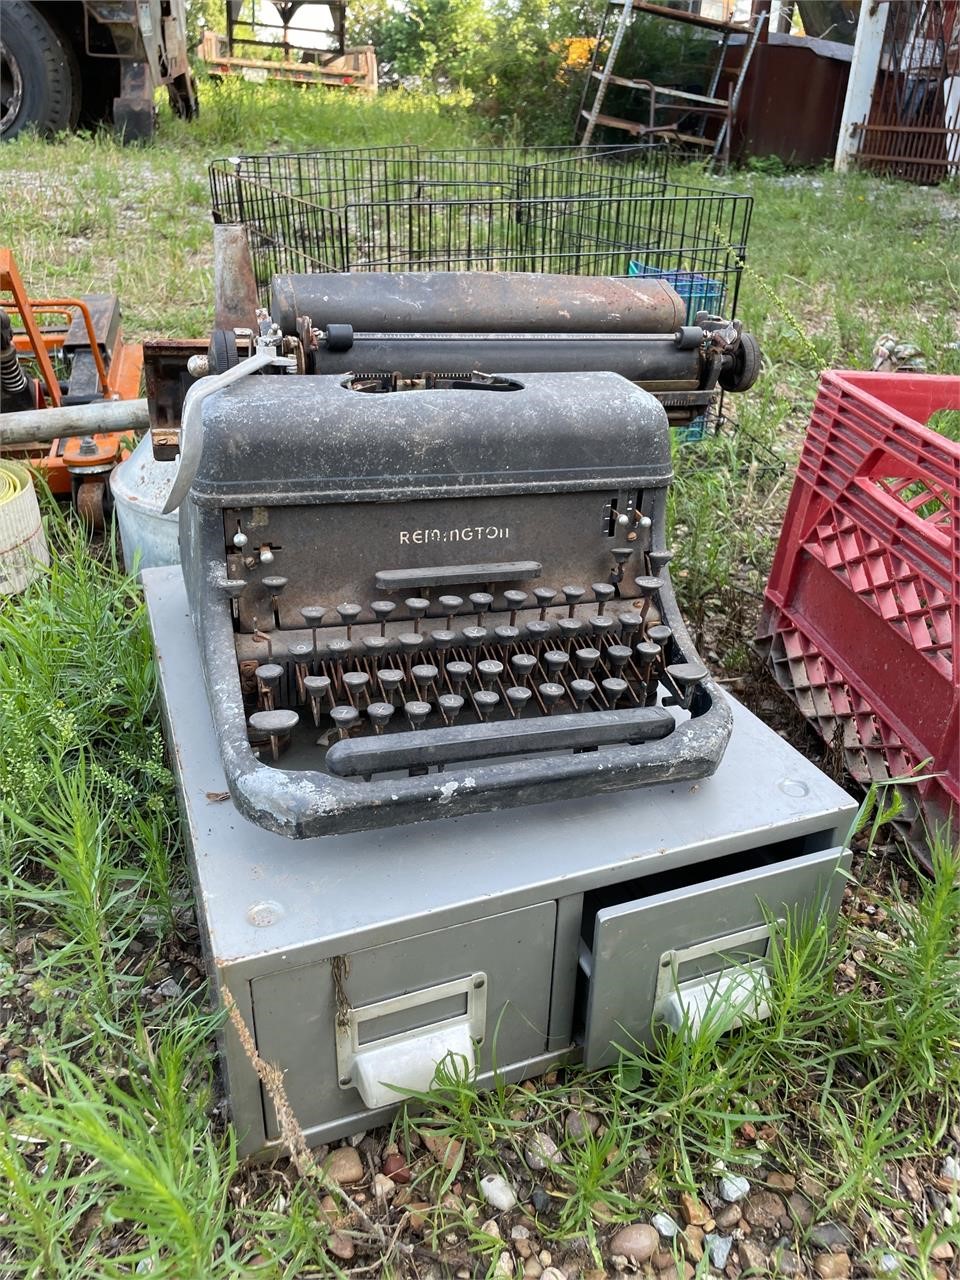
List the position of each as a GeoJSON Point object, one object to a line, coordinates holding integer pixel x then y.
{"type": "Point", "coordinates": [317, 687]}
{"type": "Point", "coordinates": [686, 676]}
{"type": "Point", "coordinates": [355, 682]}
{"type": "Point", "coordinates": [573, 596]}
{"type": "Point", "coordinates": [582, 690]}
{"type": "Point", "coordinates": [418, 609]}
{"type": "Point", "coordinates": [382, 610]}
{"type": "Point", "coordinates": [556, 660]}
{"type": "Point", "coordinates": [569, 628]}
{"type": "Point", "coordinates": [518, 698]}
{"type": "Point", "coordinates": [240, 539]}
{"type": "Point", "coordinates": [485, 700]}
{"type": "Point", "coordinates": [344, 718]}
{"type": "Point", "coordinates": [379, 714]}
{"type": "Point", "coordinates": [551, 694]}
{"type": "Point", "coordinates": [523, 664]}
{"type": "Point", "coordinates": [481, 601]}
{"type": "Point", "coordinates": [457, 672]}
{"type": "Point", "coordinates": [544, 596]}
{"type": "Point", "coordinates": [618, 655]}
{"type": "Point", "coordinates": [614, 689]}
{"type": "Point", "coordinates": [274, 725]}
{"type": "Point", "coordinates": [390, 680]}
{"type": "Point", "coordinates": [266, 554]}
{"type": "Point", "coordinates": [602, 592]}
{"type": "Point", "coordinates": [348, 615]}
{"type": "Point", "coordinates": [586, 659]}
{"type": "Point", "coordinates": [489, 670]}
{"type": "Point", "coordinates": [424, 675]}
{"type": "Point", "coordinates": [600, 625]}
{"type": "Point", "coordinates": [416, 713]}
{"type": "Point", "coordinates": [451, 704]}
{"type": "Point", "coordinates": [515, 600]}
{"type": "Point", "coordinates": [450, 606]}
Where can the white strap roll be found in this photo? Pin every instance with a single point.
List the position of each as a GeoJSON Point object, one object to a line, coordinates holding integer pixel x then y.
{"type": "Point", "coordinates": [23, 545]}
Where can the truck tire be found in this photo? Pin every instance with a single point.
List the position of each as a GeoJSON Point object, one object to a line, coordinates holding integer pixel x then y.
{"type": "Point", "coordinates": [37, 86]}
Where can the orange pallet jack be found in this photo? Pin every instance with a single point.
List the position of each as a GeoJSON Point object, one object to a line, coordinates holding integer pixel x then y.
{"type": "Point", "coordinates": [79, 359]}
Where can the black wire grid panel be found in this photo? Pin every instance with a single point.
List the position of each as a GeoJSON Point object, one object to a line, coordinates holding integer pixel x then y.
{"type": "Point", "coordinates": [601, 210]}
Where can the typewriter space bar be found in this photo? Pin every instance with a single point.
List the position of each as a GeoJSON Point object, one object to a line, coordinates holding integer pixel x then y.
{"type": "Point", "coordinates": [462, 742]}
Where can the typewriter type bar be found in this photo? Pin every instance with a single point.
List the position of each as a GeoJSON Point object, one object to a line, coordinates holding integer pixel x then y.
{"type": "Point", "coordinates": [440, 600]}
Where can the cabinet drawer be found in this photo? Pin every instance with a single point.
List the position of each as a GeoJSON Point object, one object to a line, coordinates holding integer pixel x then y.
{"type": "Point", "coordinates": [670, 956]}
{"type": "Point", "coordinates": [344, 1027]}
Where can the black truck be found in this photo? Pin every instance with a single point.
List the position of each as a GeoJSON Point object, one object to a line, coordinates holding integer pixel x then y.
{"type": "Point", "coordinates": [70, 63]}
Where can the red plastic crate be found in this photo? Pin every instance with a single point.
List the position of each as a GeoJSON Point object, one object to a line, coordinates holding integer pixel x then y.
{"type": "Point", "coordinates": [861, 616]}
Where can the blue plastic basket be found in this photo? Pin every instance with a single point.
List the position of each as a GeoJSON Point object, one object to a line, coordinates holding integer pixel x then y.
{"type": "Point", "coordinates": [699, 292]}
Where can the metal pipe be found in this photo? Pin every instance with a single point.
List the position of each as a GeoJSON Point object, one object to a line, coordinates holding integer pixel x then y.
{"type": "Point", "coordinates": [43, 425]}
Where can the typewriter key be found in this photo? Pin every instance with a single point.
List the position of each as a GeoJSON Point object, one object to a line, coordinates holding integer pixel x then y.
{"type": "Point", "coordinates": [379, 714]}
{"type": "Point", "coordinates": [416, 713]}
{"type": "Point", "coordinates": [538, 631]}
{"type": "Point", "coordinates": [600, 625]}
{"type": "Point", "coordinates": [234, 587]}
{"type": "Point", "coordinates": [274, 724]}
{"type": "Point", "coordinates": [312, 615]}
{"type": "Point", "coordinates": [474, 636]}
{"type": "Point", "coordinates": [382, 610]}
{"type": "Point", "coordinates": [515, 601]}
{"type": "Point", "coordinates": [424, 676]}
{"type": "Point", "coordinates": [629, 623]}
{"type": "Point", "coordinates": [344, 718]}
{"type": "Point", "coordinates": [275, 586]}
{"type": "Point", "coordinates": [685, 676]}
{"type": "Point", "coordinates": [318, 690]}
{"type": "Point", "coordinates": [390, 681]}
{"type": "Point", "coordinates": [658, 559]}
{"type": "Point", "coordinates": [489, 670]}
{"type": "Point", "coordinates": [614, 690]}
{"type": "Point", "coordinates": [617, 656]}
{"type": "Point", "coordinates": [602, 592]}
{"type": "Point", "coordinates": [507, 635]}
{"type": "Point", "coordinates": [457, 672]}
{"type": "Point", "coordinates": [551, 694]}
{"type": "Point", "coordinates": [268, 683]}
{"type": "Point", "coordinates": [418, 608]}
{"type": "Point", "coordinates": [451, 704]}
{"type": "Point", "coordinates": [544, 597]}
{"type": "Point", "coordinates": [573, 596]}
{"type": "Point", "coordinates": [301, 653]}
{"type": "Point", "coordinates": [376, 646]}
{"type": "Point", "coordinates": [570, 628]}
{"type": "Point", "coordinates": [586, 659]}
{"type": "Point", "coordinates": [660, 635]}
{"type": "Point", "coordinates": [349, 613]}
{"type": "Point", "coordinates": [450, 606]}
{"type": "Point", "coordinates": [518, 698]}
{"type": "Point", "coordinates": [442, 639]}
{"type": "Point", "coordinates": [647, 588]}
{"type": "Point", "coordinates": [481, 601]}
{"type": "Point", "coordinates": [485, 700]}
{"type": "Point", "coordinates": [523, 664]}
{"type": "Point", "coordinates": [582, 690]}
{"type": "Point", "coordinates": [355, 683]}
{"type": "Point", "coordinates": [556, 660]}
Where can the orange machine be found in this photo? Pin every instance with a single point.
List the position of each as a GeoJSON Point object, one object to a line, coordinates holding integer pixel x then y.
{"type": "Point", "coordinates": [75, 356]}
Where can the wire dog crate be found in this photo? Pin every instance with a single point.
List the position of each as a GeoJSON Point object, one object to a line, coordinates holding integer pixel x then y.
{"type": "Point", "coordinates": [571, 210]}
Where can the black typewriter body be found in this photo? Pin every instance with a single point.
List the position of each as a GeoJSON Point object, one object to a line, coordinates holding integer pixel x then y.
{"type": "Point", "coordinates": [439, 600]}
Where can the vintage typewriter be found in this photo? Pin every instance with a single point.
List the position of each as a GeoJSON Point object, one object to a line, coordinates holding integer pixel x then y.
{"type": "Point", "coordinates": [424, 591]}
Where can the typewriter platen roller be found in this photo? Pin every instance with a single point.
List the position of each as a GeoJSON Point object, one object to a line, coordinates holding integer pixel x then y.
{"type": "Point", "coordinates": [426, 597]}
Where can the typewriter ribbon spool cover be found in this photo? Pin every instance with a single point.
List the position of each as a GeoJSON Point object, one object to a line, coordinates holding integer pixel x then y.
{"type": "Point", "coordinates": [438, 601]}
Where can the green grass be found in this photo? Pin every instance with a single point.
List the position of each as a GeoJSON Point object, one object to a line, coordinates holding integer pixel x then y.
{"type": "Point", "coordinates": [113, 1152]}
